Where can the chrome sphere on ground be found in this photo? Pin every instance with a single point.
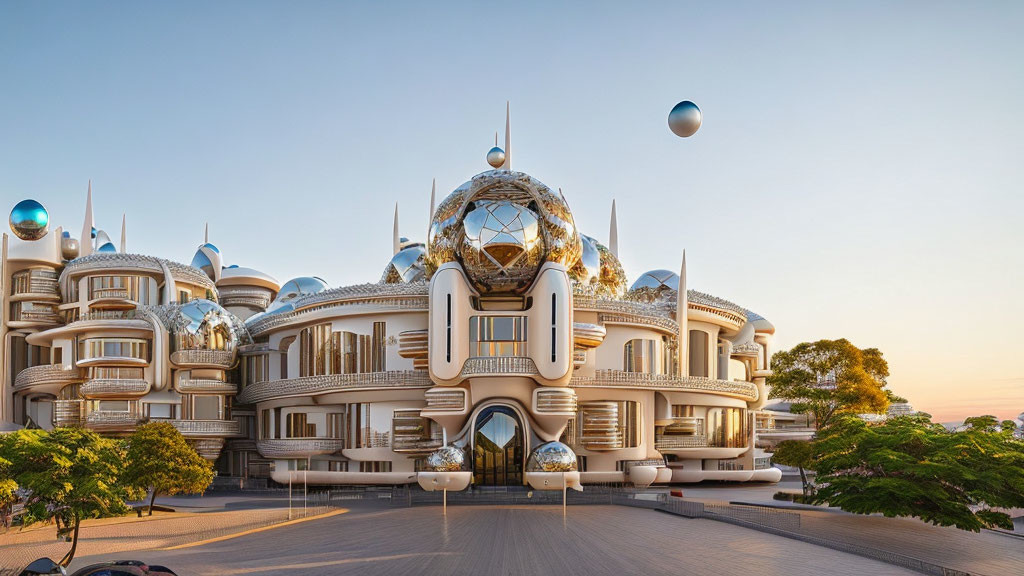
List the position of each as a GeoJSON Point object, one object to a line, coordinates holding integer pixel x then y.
{"type": "Point", "coordinates": [552, 457]}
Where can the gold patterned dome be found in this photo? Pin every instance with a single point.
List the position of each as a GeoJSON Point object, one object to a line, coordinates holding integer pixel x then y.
{"type": "Point", "coordinates": [502, 226]}
{"type": "Point", "coordinates": [598, 272]}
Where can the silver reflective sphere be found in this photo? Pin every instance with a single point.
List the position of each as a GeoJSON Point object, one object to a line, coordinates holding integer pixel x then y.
{"type": "Point", "coordinates": [204, 325]}
{"type": "Point", "coordinates": [69, 248]}
{"type": "Point", "coordinates": [495, 157]}
{"type": "Point", "coordinates": [684, 119]}
{"type": "Point", "coordinates": [409, 265]}
{"type": "Point", "coordinates": [293, 290]}
{"type": "Point", "coordinates": [658, 280]}
{"type": "Point", "coordinates": [29, 220]}
{"type": "Point", "coordinates": [552, 457]}
{"type": "Point", "coordinates": [446, 459]}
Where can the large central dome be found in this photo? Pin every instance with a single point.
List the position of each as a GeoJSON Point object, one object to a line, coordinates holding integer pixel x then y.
{"type": "Point", "coordinates": [502, 226]}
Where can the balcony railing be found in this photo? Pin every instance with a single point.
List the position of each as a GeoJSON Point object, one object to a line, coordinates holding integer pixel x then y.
{"type": "Point", "coordinates": [215, 428]}
{"type": "Point", "coordinates": [101, 293]}
{"type": "Point", "coordinates": [499, 365]}
{"type": "Point", "coordinates": [679, 442]}
{"type": "Point", "coordinates": [208, 386]}
{"type": "Point", "coordinates": [298, 447]}
{"type": "Point", "coordinates": [311, 385]}
{"type": "Point", "coordinates": [47, 374]}
{"type": "Point", "coordinates": [199, 358]}
{"type": "Point", "coordinates": [68, 412]}
{"type": "Point", "coordinates": [556, 401]}
{"type": "Point", "coordinates": [445, 400]}
{"type": "Point", "coordinates": [416, 443]}
{"type": "Point", "coordinates": [115, 388]}
{"type": "Point", "coordinates": [110, 421]}
{"type": "Point", "coordinates": [622, 379]}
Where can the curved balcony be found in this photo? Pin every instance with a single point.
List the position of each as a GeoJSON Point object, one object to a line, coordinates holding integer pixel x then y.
{"type": "Point", "coordinates": [315, 385]}
{"type": "Point", "coordinates": [298, 447]}
{"type": "Point", "coordinates": [559, 401]}
{"type": "Point", "coordinates": [622, 379]}
{"type": "Point", "coordinates": [499, 366]}
{"type": "Point", "coordinates": [108, 421]}
{"type": "Point", "coordinates": [223, 359]}
{"type": "Point", "coordinates": [36, 295]}
{"type": "Point", "coordinates": [445, 399]}
{"type": "Point", "coordinates": [115, 388]}
{"type": "Point", "coordinates": [46, 374]}
{"type": "Point", "coordinates": [206, 428]}
{"type": "Point", "coordinates": [586, 336]}
{"type": "Point", "coordinates": [413, 344]}
{"type": "Point", "coordinates": [205, 386]}
{"type": "Point", "coordinates": [672, 443]}
{"type": "Point", "coordinates": [68, 412]}
{"type": "Point", "coordinates": [112, 361]}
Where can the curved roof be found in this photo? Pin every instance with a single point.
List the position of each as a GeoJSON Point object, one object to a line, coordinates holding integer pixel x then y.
{"type": "Point", "coordinates": [99, 261]}
{"type": "Point", "coordinates": [239, 276]}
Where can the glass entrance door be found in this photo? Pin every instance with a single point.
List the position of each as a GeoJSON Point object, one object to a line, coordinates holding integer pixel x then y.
{"type": "Point", "coordinates": [498, 448]}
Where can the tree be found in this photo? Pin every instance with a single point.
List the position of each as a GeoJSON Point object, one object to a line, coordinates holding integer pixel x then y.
{"type": "Point", "coordinates": [161, 461]}
{"type": "Point", "coordinates": [799, 454]}
{"type": "Point", "coordinates": [8, 487]}
{"type": "Point", "coordinates": [831, 377]}
{"type": "Point", "coordinates": [69, 474]}
{"type": "Point", "coordinates": [908, 466]}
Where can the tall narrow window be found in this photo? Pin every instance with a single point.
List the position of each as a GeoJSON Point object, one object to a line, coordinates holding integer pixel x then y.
{"type": "Point", "coordinates": [699, 353]}
{"type": "Point", "coordinates": [553, 326]}
{"type": "Point", "coordinates": [448, 331]}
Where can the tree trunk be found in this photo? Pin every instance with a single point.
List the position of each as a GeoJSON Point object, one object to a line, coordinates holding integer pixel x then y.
{"type": "Point", "coordinates": [803, 481]}
{"type": "Point", "coordinates": [152, 499]}
{"type": "Point", "coordinates": [66, 560]}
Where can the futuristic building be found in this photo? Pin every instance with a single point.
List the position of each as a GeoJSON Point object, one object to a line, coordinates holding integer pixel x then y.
{"type": "Point", "coordinates": [508, 343]}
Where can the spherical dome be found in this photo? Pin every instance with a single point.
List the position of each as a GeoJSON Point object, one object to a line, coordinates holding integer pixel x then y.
{"type": "Point", "coordinates": [598, 271]}
{"type": "Point", "coordinates": [208, 259]}
{"type": "Point", "coordinates": [203, 325]}
{"type": "Point", "coordinates": [69, 248]}
{"type": "Point", "coordinates": [293, 290]}
{"type": "Point", "coordinates": [685, 118]}
{"type": "Point", "coordinates": [496, 157]}
{"type": "Point", "coordinates": [552, 457]}
{"type": "Point", "coordinates": [657, 280]}
{"type": "Point", "coordinates": [446, 459]}
{"type": "Point", "coordinates": [501, 227]}
{"type": "Point", "coordinates": [107, 248]}
{"type": "Point", "coordinates": [29, 220]}
{"type": "Point", "coordinates": [407, 266]}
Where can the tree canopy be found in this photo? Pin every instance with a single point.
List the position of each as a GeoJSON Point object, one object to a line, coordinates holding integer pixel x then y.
{"type": "Point", "coordinates": [69, 474]}
{"type": "Point", "coordinates": [798, 454]}
{"type": "Point", "coordinates": [831, 377]}
{"type": "Point", "coordinates": [161, 461]}
{"type": "Point", "coordinates": [908, 466]}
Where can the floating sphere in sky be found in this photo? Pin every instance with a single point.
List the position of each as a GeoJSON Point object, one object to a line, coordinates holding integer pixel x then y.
{"type": "Point", "coordinates": [29, 220]}
{"type": "Point", "coordinates": [684, 119]}
{"type": "Point", "coordinates": [496, 157]}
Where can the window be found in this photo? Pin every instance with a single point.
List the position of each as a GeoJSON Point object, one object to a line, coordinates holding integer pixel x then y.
{"type": "Point", "coordinates": [497, 336]}
{"type": "Point", "coordinates": [605, 425]}
{"type": "Point", "coordinates": [132, 348]}
{"type": "Point", "coordinates": [206, 407]}
{"type": "Point", "coordinates": [323, 352]}
{"type": "Point", "coordinates": [58, 356]}
{"type": "Point", "coordinates": [699, 354]}
{"type": "Point", "coordinates": [640, 355]}
{"type": "Point", "coordinates": [727, 427]}
{"type": "Point", "coordinates": [299, 427]}
{"type": "Point", "coordinates": [384, 466]}
{"type": "Point", "coordinates": [136, 288]}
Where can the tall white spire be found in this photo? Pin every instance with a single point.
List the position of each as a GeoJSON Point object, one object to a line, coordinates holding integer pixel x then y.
{"type": "Point", "coordinates": [124, 241]}
{"type": "Point", "coordinates": [206, 233]}
{"type": "Point", "coordinates": [613, 233]}
{"type": "Point", "coordinates": [85, 240]}
{"type": "Point", "coordinates": [682, 304]}
{"type": "Point", "coordinates": [433, 195]}
{"type": "Point", "coordinates": [508, 140]}
{"type": "Point", "coordinates": [396, 239]}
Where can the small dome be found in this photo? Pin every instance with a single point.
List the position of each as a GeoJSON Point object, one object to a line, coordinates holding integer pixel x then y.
{"type": "Point", "coordinates": [552, 457]}
{"type": "Point", "coordinates": [208, 260]}
{"type": "Point", "coordinates": [408, 265]}
{"type": "Point", "coordinates": [598, 271]}
{"type": "Point", "coordinates": [293, 290]}
{"type": "Point", "coordinates": [203, 325]}
{"type": "Point", "coordinates": [107, 248]}
{"type": "Point", "coordinates": [658, 280]}
{"type": "Point", "coordinates": [29, 220]}
{"type": "Point", "coordinates": [446, 459]}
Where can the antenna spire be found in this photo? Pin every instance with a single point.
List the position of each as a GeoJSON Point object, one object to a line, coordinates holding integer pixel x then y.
{"type": "Point", "coordinates": [508, 139]}
{"type": "Point", "coordinates": [124, 242]}
{"type": "Point", "coordinates": [396, 241]}
{"type": "Point", "coordinates": [433, 194]}
{"type": "Point", "coordinates": [85, 241]}
{"type": "Point", "coordinates": [206, 233]}
{"type": "Point", "coordinates": [682, 305]}
{"type": "Point", "coordinates": [613, 233]}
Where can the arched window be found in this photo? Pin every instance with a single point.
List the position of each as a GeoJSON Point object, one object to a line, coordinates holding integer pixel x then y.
{"type": "Point", "coordinates": [640, 355]}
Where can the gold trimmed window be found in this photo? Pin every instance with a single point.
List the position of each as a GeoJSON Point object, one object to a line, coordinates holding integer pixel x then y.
{"type": "Point", "coordinates": [497, 336]}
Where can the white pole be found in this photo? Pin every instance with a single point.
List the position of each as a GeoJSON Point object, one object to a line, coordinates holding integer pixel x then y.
{"type": "Point", "coordinates": [290, 474]}
{"type": "Point", "coordinates": [305, 492]}
{"type": "Point", "coordinates": [563, 494]}
{"type": "Point", "coordinates": [445, 502]}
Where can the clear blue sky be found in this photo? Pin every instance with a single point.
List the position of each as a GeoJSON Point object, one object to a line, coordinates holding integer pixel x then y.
{"type": "Point", "coordinates": [858, 173]}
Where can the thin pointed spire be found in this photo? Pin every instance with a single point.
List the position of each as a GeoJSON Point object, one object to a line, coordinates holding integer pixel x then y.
{"type": "Point", "coordinates": [495, 138]}
{"type": "Point", "coordinates": [433, 194]}
{"type": "Point", "coordinates": [206, 233]}
{"type": "Point", "coordinates": [682, 305]}
{"type": "Point", "coordinates": [85, 240]}
{"type": "Point", "coordinates": [124, 237]}
{"type": "Point", "coordinates": [508, 139]}
{"type": "Point", "coordinates": [613, 233]}
{"type": "Point", "coordinates": [396, 240]}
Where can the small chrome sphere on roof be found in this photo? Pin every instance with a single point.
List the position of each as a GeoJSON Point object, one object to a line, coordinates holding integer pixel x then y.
{"type": "Point", "coordinates": [552, 457]}
{"type": "Point", "coordinates": [658, 280]}
{"type": "Point", "coordinates": [409, 265]}
{"type": "Point", "coordinates": [496, 157]}
{"type": "Point", "coordinates": [446, 459]}
{"type": "Point", "coordinates": [685, 118]}
{"type": "Point", "coordinates": [69, 248]}
{"type": "Point", "coordinates": [29, 220]}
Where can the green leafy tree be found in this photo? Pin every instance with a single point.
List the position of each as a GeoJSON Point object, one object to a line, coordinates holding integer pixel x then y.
{"type": "Point", "coordinates": [70, 474]}
{"type": "Point", "coordinates": [8, 487]}
{"type": "Point", "coordinates": [831, 377]}
{"type": "Point", "coordinates": [798, 454]}
{"type": "Point", "coordinates": [909, 466]}
{"type": "Point", "coordinates": [161, 461]}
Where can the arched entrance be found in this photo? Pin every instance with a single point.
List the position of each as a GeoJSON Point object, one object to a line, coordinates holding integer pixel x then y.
{"type": "Point", "coordinates": [498, 447]}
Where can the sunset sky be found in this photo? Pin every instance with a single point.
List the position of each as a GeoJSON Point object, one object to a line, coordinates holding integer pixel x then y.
{"type": "Point", "coordinates": [859, 172]}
